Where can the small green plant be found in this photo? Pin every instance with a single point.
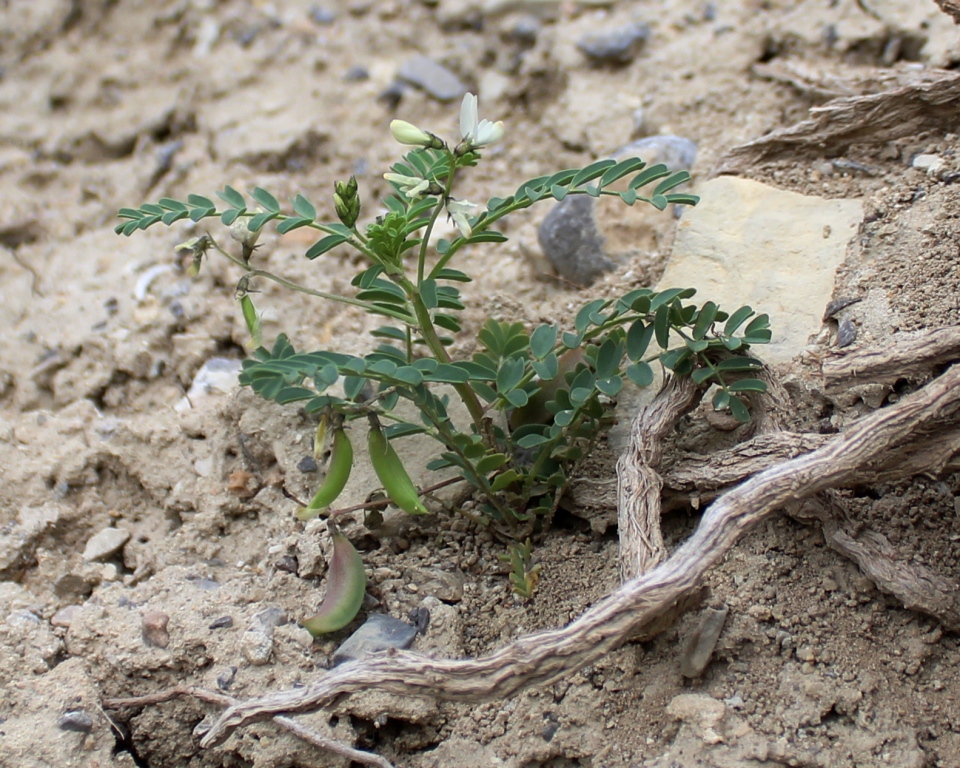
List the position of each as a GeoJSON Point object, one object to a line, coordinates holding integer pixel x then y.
{"type": "Point", "coordinates": [523, 574]}
{"type": "Point", "coordinates": [537, 398]}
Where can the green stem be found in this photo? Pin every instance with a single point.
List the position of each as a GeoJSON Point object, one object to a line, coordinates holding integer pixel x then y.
{"type": "Point", "coordinates": [366, 306]}
{"type": "Point", "coordinates": [448, 186]}
{"type": "Point", "coordinates": [432, 340]}
{"type": "Point", "coordinates": [479, 481]}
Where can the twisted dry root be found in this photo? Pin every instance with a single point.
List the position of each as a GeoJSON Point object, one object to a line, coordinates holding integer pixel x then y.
{"type": "Point", "coordinates": [921, 433]}
{"type": "Point", "coordinates": [543, 657]}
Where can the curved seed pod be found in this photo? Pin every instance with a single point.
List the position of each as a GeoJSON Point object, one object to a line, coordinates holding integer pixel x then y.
{"type": "Point", "coordinates": [396, 482]}
{"type": "Point", "coordinates": [338, 472]}
{"type": "Point", "coordinates": [346, 585]}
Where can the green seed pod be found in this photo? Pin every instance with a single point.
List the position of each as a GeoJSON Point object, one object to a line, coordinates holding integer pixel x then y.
{"type": "Point", "coordinates": [252, 319]}
{"type": "Point", "coordinates": [346, 585]}
{"type": "Point", "coordinates": [396, 482]}
{"type": "Point", "coordinates": [338, 472]}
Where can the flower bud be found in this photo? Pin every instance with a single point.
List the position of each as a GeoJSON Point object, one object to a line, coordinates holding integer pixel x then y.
{"type": "Point", "coordinates": [241, 232]}
{"type": "Point", "coordinates": [347, 201]}
{"type": "Point", "coordinates": [408, 133]}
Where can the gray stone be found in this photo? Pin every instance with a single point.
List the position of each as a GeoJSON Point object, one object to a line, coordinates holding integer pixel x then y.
{"type": "Point", "coordinates": [75, 720]}
{"type": "Point", "coordinates": [777, 251]}
{"type": "Point", "coordinates": [434, 78]}
{"type": "Point", "coordinates": [257, 642]}
{"type": "Point", "coordinates": [930, 164]}
{"type": "Point", "coordinates": [618, 45]}
{"type": "Point", "coordinates": [846, 332]}
{"type": "Point", "coordinates": [379, 632]}
{"type": "Point", "coordinates": [571, 242]}
{"type": "Point", "coordinates": [270, 618]}
{"type": "Point", "coordinates": [226, 677]}
{"type": "Point", "coordinates": [105, 543]}
{"type": "Point", "coordinates": [356, 74]}
{"type": "Point", "coordinates": [224, 622]}
{"type": "Point", "coordinates": [582, 238]}
{"type": "Point", "coordinates": [307, 464]}
{"type": "Point", "coordinates": [321, 15]}
{"type": "Point", "coordinates": [698, 649]}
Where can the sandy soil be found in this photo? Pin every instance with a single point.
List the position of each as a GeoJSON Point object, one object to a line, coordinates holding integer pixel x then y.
{"type": "Point", "coordinates": [105, 104]}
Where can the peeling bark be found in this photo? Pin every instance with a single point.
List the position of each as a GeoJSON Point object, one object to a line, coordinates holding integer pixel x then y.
{"type": "Point", "coordinates": [873, 119]}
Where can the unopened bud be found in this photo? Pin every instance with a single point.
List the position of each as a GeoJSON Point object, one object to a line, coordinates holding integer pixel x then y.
{"type": "Point", "coordinates": [409, 134]}
{"type": "Point", "coordinates": [240, 231]}
{"type": "Point", "coordinates": [347, 201]}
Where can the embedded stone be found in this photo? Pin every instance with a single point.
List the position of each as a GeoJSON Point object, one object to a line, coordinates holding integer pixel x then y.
{"type": "Point", "coordinates": [105, 543]}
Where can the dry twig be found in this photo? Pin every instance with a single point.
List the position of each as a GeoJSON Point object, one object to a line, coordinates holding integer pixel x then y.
{"type": "Point", "coordinates": [211, 697]}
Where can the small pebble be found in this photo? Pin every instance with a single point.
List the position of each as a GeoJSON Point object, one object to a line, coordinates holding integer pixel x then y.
{"type": "Point", "coordinates": [22, 618]}
{"type": "Point", "coordinates": [154, 628]}
{"type": "Point", "coordinates": [847, 332]}
{"type": "Point", "coordinates": [434, 78]}
{"type": "Point", "coordinates": [445, 585]}
{"type": "Point", "coordinates": [618, 45]}
{"type": "Point", "coordinates": [524, 30]}
{"type": "Point", "coordinates": [420, 617]}
{"type": "Point", "coordinates": [72, 585]}
{"type": "Point", "coordinates": [226, 677]}
{"type": "Point", "coordinates": [307, 464]}
{"type": "Point", "coordinates": [224, 622]}
{"type": "Point", "coordinates": [257, 645]}
{"type": "Point", "coordinates": [379, 632]}
{"type": "Point", "coordinates": [105, 543]}
{"type": "Point", "coordinates": [257, 642]}
{"type": "Point", "coordinates": [271, 617]}
{"type": "Point", "coordinates": [288, 564]}
{"type": "Point", "coordinates": [700, 645]}
{"type": "Point", "coordinates": [75, 720]}
{"type": "Point", "coordinates": [356, 74]}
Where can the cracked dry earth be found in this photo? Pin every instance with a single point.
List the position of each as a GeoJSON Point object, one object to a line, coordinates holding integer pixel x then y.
{"type": "Point", "coordinates": [145, 538]}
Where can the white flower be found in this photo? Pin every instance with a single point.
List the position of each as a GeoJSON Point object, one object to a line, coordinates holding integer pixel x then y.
{"type": "Point", "coordinates": [408, 133]}
{"type": "Point", "coordinates": [458, 211]}
{"type": "Point", "coordinates": [410, 186]}
{"type": "Point", "coordinates": [474, 132]}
